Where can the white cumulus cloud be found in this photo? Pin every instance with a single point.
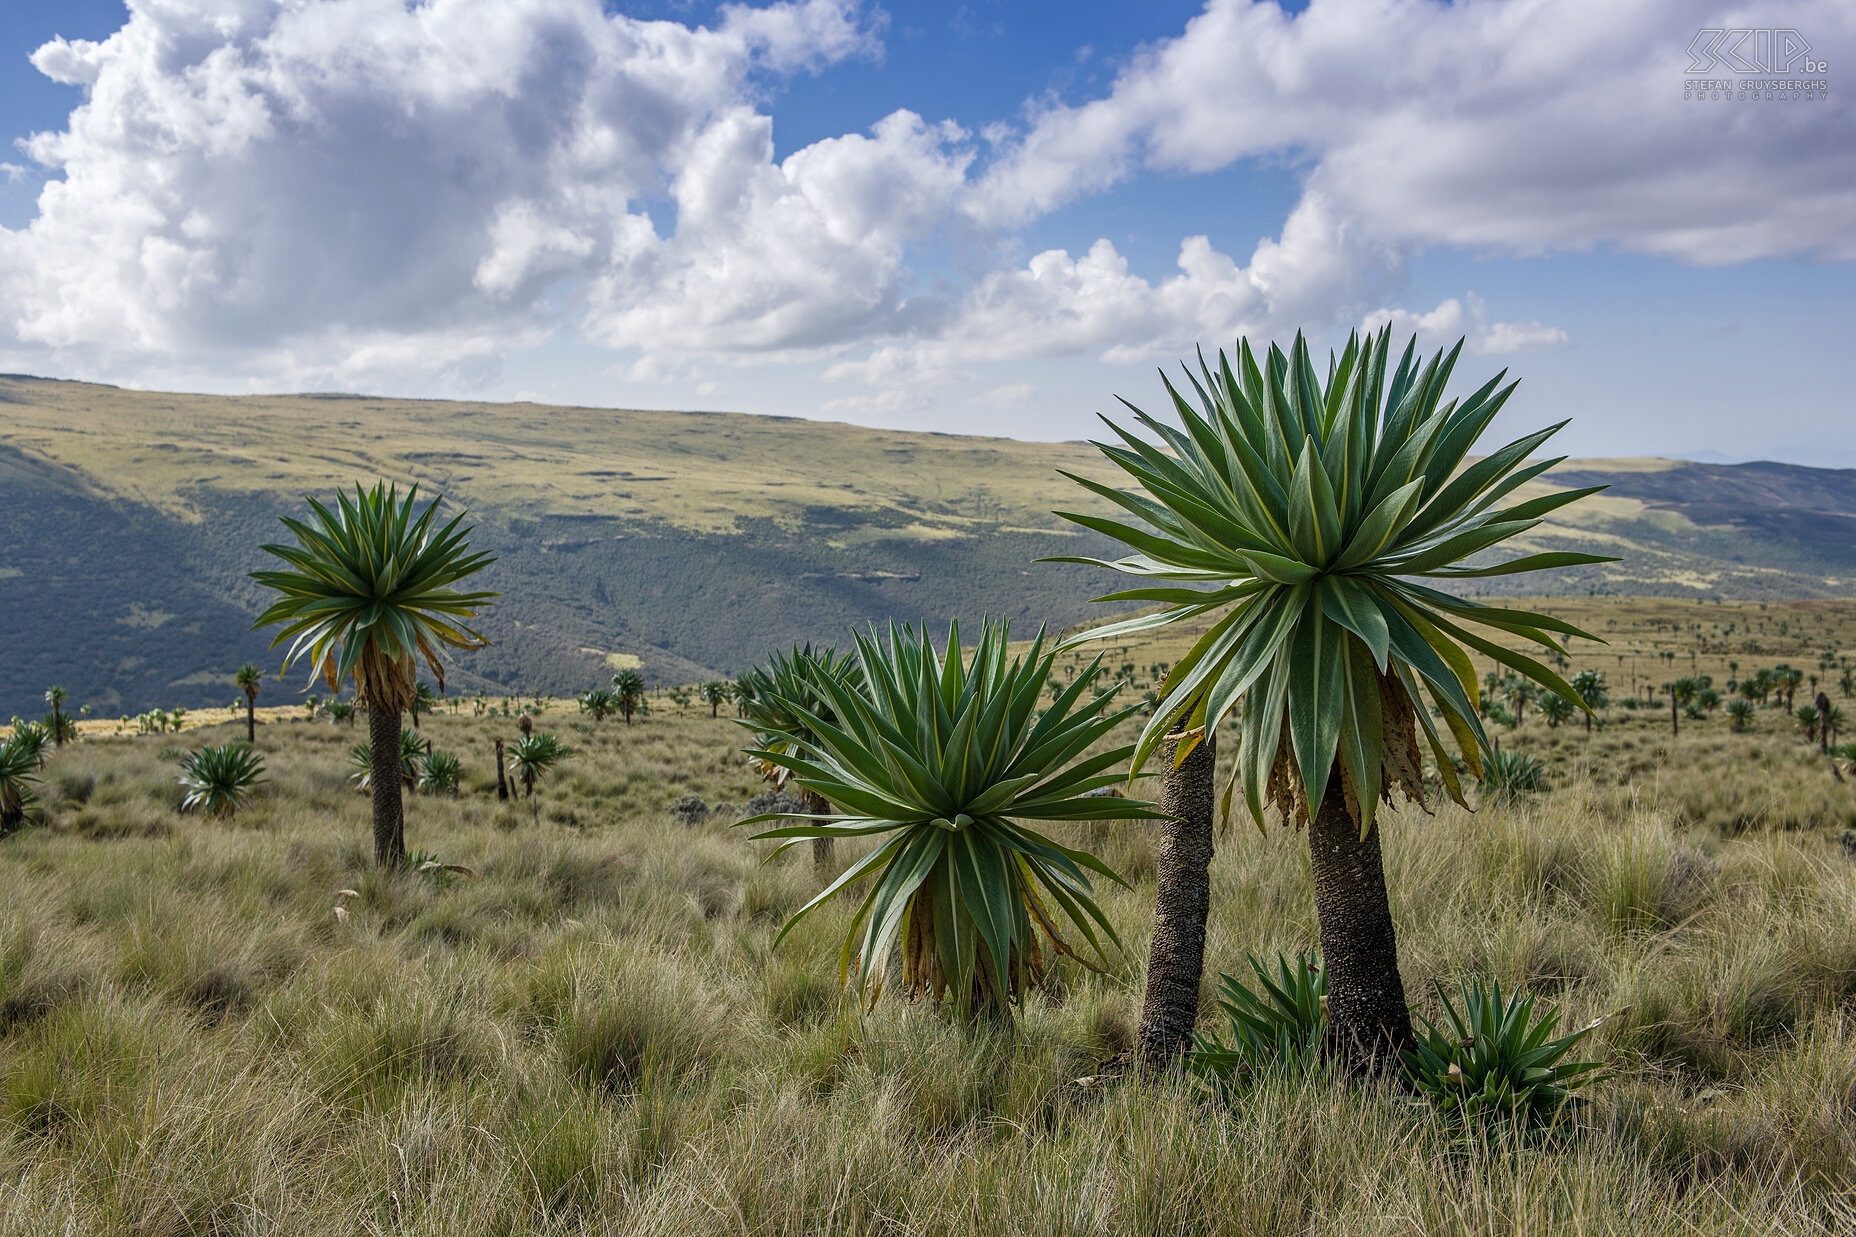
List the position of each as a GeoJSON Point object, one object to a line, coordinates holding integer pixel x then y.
{"type": "Point", "coordinates": [1514, 128]}
{"type": "Point", "coordinates": [293, 187]}
{"type": "Point", "coordinates": [1011, 395]}
{"type": "Point", "coordinates": [1453, 320]}
{"type": "Point", "coordinates": [405, 192]}
{"type": "Point", "coordinates": [1524, 127]}
{"type": "Point", "coordinates": [803, 254]}
{"type": "Point", "coordinates": [1058, 304]}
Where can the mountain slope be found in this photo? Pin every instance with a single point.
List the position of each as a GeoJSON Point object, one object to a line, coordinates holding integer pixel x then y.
{"type": "Point", "coordinates": [692, 542]}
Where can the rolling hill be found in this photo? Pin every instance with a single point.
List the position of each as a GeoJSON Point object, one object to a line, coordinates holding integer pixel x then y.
{"type": "Point", "coordinates": [692, 542]}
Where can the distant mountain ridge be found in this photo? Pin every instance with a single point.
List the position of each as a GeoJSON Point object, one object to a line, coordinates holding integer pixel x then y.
{"type": "Point", "coordinates": [1792, 523]}
{"type": "Point", "coordinates": [1757, 484]}
{"type": "Point", "coordinates": [692, 542]}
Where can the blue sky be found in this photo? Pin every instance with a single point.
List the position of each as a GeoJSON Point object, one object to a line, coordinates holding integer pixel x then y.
{"type": "Point", "coordinates": [989, 217]}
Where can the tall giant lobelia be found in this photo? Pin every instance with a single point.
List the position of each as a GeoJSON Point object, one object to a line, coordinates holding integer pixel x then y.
{"type": "Point", "coordinates": [368, 594]}
{"type": "Point", "coordinates": [1310, 520]}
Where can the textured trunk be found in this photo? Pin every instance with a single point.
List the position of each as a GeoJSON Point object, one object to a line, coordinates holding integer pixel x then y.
{"type": "Point", "coordinates": [502, 782]}
{"type": "Point", "coordinates": [57, 727]}
{"type": "Point", "coordinates": [1823, 724]}
{"type": "Point", "coordinates": [251, 721]}
{"type": "Point", "coordinates": [1176, 962]}
{"type": "Point", "coordinates": [383, 732]}
{"type": "Point", "coordinates": [822, 848]}
{"type": "Point", "coordinates": [1367, 1017]}
{"type": "Point", "coordinates": [991, 1008]}
{"type": "Point", "coordinates": [1672, 712]}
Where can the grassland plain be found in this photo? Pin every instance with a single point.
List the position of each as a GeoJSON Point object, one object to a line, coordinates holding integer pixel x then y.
{"type": "Point", "coordinates": [693, 542]}
{"type": "Point", "coordinates": [593, 1033]}
{"type": "Point", "coordinates": [1643, 642]}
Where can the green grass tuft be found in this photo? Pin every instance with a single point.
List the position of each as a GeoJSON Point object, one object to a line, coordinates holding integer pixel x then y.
{"type": "Point", "coordinates": [596, 1036]}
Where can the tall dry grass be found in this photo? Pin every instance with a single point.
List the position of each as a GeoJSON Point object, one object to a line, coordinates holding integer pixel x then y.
{"type": "Point", "coordinates": [597, 1037]}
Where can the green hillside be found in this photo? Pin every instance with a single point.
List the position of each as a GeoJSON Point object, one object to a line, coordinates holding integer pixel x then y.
{"type": "Point", "coordinates": [694, 542]}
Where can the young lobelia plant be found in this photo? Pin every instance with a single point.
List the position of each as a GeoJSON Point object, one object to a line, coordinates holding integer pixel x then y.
{"type": "Point", "coordinates": [1508, 776]}
{"type": "Point", "coordinates": [221, 779]}
{"type": "Point", "coordinates": [19, 770]}
{"type": "Point", "coordinates": [779, 699]}
{"type": "Point", "coordinates": [1556, 708]}
{"type": "Point", "coordinates": [628, 693]}
{"type": "Point", "coordinates": [783, 694]}
{"type": "Point", "coordinates": [943, 758]}
{"type": "Point", "coordinates": [439, 773]}
{"type": "Point", "coordinates": [1277, 1028]}
{"type": "Point", "coordinates": [1494, 1061]}
{"type": "Point", "coordinates": [533, 757]}
{"type": "Point", "coordinates": [599, 703]}
{"type": "Point", "coordinates": [32, 738]}
{"type": "Point", "coordinates": [1308, 520]}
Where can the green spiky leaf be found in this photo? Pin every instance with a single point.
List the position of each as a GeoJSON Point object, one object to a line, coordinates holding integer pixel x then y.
{"type": "Point", "coordinates": [943, 759]}
{"type": "Point", "coordinates": [1310, 512]}
{"type": "Point", "coordinates": [368, 591]}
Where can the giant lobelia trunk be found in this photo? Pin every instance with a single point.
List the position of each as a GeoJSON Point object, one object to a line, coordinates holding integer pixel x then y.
{"type": "Point", "coordinates": [1176, 961]}
{"type": "Point", "coordinates": [821, 847]}
{"type": "Point", "coordinates": [1368, 1022]}
{"type": "Point", "coordinates": [251, 721]}
{"type": "Point", "coordinates": [383, 733]}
